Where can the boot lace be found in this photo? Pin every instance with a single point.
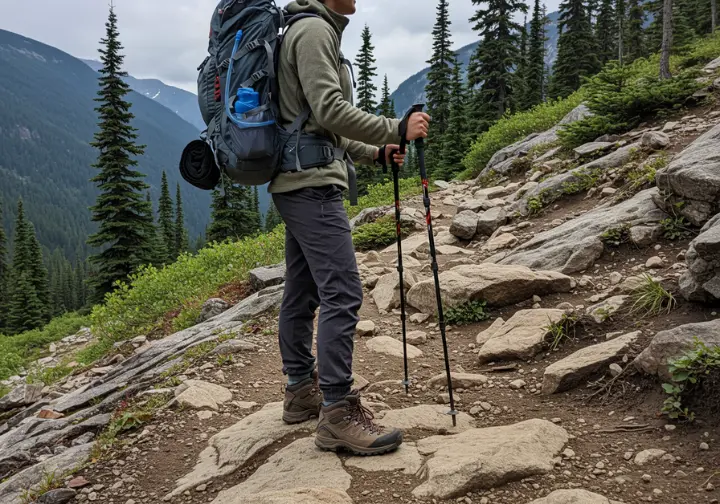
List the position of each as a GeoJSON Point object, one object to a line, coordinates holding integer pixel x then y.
{"type": "Point", "coordinates": [362, 416]}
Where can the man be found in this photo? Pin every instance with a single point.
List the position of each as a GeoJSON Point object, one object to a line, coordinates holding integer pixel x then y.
{"type": "Point", "coordinates": [321, 266]}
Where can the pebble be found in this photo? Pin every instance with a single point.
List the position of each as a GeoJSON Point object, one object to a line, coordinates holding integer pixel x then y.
{"type": "Point", "coordinates": [704, 446]}
{"type": "Point", "coordinates": [92, 496]}
{"type": "Point", "coordinates": [670, 427]}
{"type": "Point", "coordinates": [646, 478]}
{"type": "Point", "coordinates": [201, 488]}
{"type": "Point", "coordinates": [517, 384]}
{"type": "Point", "coordinates": [654, 262]}
{"type": "Point", "coordinates": [710, 487]}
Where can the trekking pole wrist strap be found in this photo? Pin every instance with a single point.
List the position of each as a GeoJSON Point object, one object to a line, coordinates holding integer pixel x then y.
{"type": "Point", "coordinates": [382, 158]}
{"type": "Point", "coordinates": [404, 125]}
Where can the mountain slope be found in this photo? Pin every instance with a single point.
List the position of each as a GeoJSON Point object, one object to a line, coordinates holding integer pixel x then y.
{"type": "Point", "coordinates": [413, 89]}
{"type": "Point", "coordinates": [45, 129]}
{"type": "Point", "coordinates": [183, 103]}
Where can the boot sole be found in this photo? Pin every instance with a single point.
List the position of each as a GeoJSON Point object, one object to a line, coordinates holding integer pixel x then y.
{"type": "Point", "coordinates": [296, 417]}
{"type": "Point", "coordinates": [338, 444]}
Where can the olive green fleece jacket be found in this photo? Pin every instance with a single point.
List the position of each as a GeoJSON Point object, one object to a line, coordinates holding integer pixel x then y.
{"type": "Point", "coordinates": [311, 73]}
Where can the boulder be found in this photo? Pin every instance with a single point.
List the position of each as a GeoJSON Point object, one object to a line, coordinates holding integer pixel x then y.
{"type": "Point", "coordinates": [416, 337]}
{"type": "Point", "coordinates": [496, 284]}
{"type": "Point", "coordinates": [647, 456]}
{"type": "Point", "coordinates": [575, 245]}
{"type": "Point", "coordinates": [574, 497]}
{"type": "Point", "coordinates": [365, 328]}
{"type": "Point", "coordinates": [212, 308]}
{"type": "Point", "coordinates": [693, 177]}
{"type": "Point", "coordinates": [233, 447]}
{"type": "Point", "coordinates": [386, 293]}
{"type": "Point", "coordinates": [235, 346]}
{"type": "Point", "coordinates": [572, 370]}
{"type": "Point", "coordinates": [501, 161]}
{"type": "Point", "coordinates": [57, 496]}
{"type": "Point", "coordinates": [644, 236]}
{"type": "Point", "coordinates": [490, 220]}
{"type": "Point", "coordinates": [522, 336]}
{"type": "Point", "coordinates": [267, 276]}
{"type": "Point", "coordinates": [712, 66]}
{"type": "Point", "coordinates": [464, 225]}
{"type": "Point", "coordinates": [424, 417]}
{"type": "Point", "coordinates": [292, 468]}
{"type": "Point", "coordinates": [459, 380]}
{"type": "Point", "coordinates": [673, 343]}
{"type": "Point", "coordinates": [303, 496]}
{"type": "Point", "coordinates": [592, 148]}
{"type": "Point", "coordinates": [474, 205]}
{"type": "Point", "coordinates": [368, 215]}
{"type": "Point", "coordinates": [655, 140]}
{"type": "Point", "coordinates": [488, 333]}
{"type": "Point", "coordinates": [22, 395]}
{"type": "Point", "coordinates": [701, 281]}
{"type": "Point", "coordinates": [405, 459]}
{"type": "Point", "coordinates": [605, 309]}
{"type": "Point", "coordinates": [441, 184]}
{"type": "Point", "coordinates": [199, 394]}
{"type": "Point", "coordinates": [392, 347]}
{"type": "Point", "coordinates": [257, 304]}
{"type": "Point", "coordinates": [500, 242]}
{"type": "Point", "coordinates": [481, 459]}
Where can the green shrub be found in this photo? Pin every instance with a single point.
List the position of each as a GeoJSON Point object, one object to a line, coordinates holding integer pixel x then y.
{"type": "Point", "coordinates": [467, 313]}
{"type": "Point", "coordinates": [687, 374]}
{"type": "Point", "coordinates": [614, 237]}
{"type": "Point", "coordinates": [383, 194]}
{"type": "Point", "coordinates": [621, 97]}
{"type": "Point", "coordinates": [701, 52]}
{"type": "Point", "coordinates": [675, 228]}
{"type": "Point", "coordinates": [514, 127]}
{"type": "Point", "coordinates": [17, 351]}
{"type": "Point", "coordinates": [651, 298]}
{"type": "Point", "coordinates": [49, 376]}
{"type": "Point", "coordinates": [381, 233]}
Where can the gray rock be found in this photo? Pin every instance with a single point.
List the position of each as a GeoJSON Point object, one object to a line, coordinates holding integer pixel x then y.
{"type": "Point", "coordinates": [673, 343]}
{"type": "Point", "coordinates": [576, 245]}
{"type": "Point", "coordinates": [655, 140]}
{"type": "Point", "coordinates": [701, 281]}
{"type": "Point", "coordinates": [712, 66]}
{"type": "Point", "coordinates": [267, 276]}
{"type": "Point", "coordinates": [441, 184]}
{"type": "Point", "coordinates": [368, 215]}
{"type": "Point", "coordinates": [58, 496]}
{"type": "Point", "coordinates": [572, 370]}
{"type": "Point", "coordinates": [257, 304]}
{"type": "Point", "coordinates": [693, 177]}
{"type": "Point", "coordinates": [12, 489]}
{"type": "Point", "coordinates": [386, 293]}
{"type": "Point", "coordinates": [574, 497]}
{"type": "Point", "coordinates": [592, 148]}
{"type": "Point", "coordinates": [501, 162]}
{"type": "Point", "coordinates": [12, 462]}
{"type": "Point", "coordinates": [644, 236]}
{"type": "Point", "coordinates": [606, 309]}
{"type": "Point", "coordinates": [464, 225]}
{"type": "Point", "coordinates": [20, 396]}
{"type": "Point", "coordinates": [490, 220]}
{"type": "Point", "coordinates": [212, 308]}
{"type": "Point", "coordinates": [235, 346]}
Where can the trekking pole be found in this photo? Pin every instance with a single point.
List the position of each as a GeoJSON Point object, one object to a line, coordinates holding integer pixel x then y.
{"type": "Point", "coordinates": [420, 147]}
{"type": "Point", "coordinates": [398, 230]}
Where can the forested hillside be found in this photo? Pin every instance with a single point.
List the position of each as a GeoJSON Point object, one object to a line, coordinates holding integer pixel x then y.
{"type": "Point", "coordinates": [47, 122]}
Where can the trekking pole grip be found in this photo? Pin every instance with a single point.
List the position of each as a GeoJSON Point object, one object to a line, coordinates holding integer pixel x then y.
{"type": "Point", "coordinates": [418, 107]}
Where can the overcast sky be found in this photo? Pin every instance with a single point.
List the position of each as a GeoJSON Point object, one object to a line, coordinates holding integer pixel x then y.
{"type": "Point", "coordinates": [167, 39]}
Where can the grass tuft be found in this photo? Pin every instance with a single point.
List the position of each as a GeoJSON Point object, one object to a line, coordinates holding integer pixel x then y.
{"type": "Point", "coordinates": [467, 313]}
{"type": "Point", "coordinates": [652, 299]}
{"type": "Point", "coordinates": [562, 330]}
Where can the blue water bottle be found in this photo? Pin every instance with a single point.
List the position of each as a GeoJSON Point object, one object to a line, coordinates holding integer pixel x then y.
{"type": "Point", "coordinates": [247, 99]}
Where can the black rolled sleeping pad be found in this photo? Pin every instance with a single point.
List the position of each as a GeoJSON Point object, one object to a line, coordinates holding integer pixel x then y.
{"type": "Point", "coordinates": [198, 167]}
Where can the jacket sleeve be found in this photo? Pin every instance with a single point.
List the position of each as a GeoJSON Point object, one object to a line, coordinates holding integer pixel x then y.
{"type": "Point", "coordinates": [317, 54]}
{"type": "Point", "coordinates": [360, 153]}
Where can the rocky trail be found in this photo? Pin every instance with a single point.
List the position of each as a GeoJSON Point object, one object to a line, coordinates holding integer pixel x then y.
{"type": "Point", "coordinates": [559, 389]}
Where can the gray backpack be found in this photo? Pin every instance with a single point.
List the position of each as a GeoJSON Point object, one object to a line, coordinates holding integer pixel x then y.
{"type": "Point", "coordinates": [238, 98]}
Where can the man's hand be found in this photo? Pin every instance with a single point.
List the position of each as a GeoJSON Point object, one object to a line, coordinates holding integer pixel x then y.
{"type": "Point", "coordinates": [418, 125]}
{"type": "Point", "coordinates": [387, 150]}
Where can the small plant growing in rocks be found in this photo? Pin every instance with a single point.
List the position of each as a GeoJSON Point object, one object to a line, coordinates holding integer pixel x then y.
{"type": "Point", "coordinates": [690, 373]}
{"type": "Point", "coordinates": [562, 330]}
{"type": "Point", "coordinates": [467, 313]}
{"type": "Point", "coordinates": [614, 237]}
{"type": "Point", "coordinates": [380, 233]}
{"type": "Point", "coordinates": [675, 228]}
{"type": "Point", "coordinates": [651, 298]}
{"type": "Point", "coordinates": [50, 481]}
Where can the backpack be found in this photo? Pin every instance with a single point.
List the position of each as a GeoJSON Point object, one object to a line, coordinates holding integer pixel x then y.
{"type": "Point", "coordinates": [238, 99]}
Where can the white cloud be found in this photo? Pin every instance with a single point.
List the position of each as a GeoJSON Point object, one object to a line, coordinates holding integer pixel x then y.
{"type": "Point", "coordinates": [167, 39]}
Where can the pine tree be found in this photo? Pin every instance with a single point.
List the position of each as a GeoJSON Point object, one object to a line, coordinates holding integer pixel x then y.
{"type": "Point", "coordinates": [455, 143]}
{"type": "Point", "coordinates": [166, 220]}
{"type": "Point", "coordinates": [492, 63]}
{"type": "Point", "coordinates": [365, 62]}
{"type": "Point", "coordinates": [4, 273]}
{"type": "Point", "coordinates": [576, 57]}
{"type": "Point", "coordinates": [272, 218]}
{"type": "Point", "coordinates": [522, 99]}
{"type": "Point", "coordinates": [233, 213]}
{"type": "Point", "coordinates": [439, 84]}
{"type": "Point", "coordinates": [80, 285]}
{"type": "Point", "coordinates": [620, 13]}
{"type": "Point", "coordinates": [387, 106]}
{"type": "Point", "coordinates": [182, 240]}
{"type": "Point", "coordinates": [605, 32]}
{"type": "Point", "coordinates": [536, 57]}
{"type": "Point", "coordinates": [683, 32]}
{"type": "Point", "coordinates": [634, 37]}
{"type": "Point", "coordinates": [39, 274]}
{"type": "Point", "coordinates": [69, 295]}
{"type": "Point", "coordinates": [26, 311]}
{"type": "Point", "coordinates": [159, 253]}
{"type": "Point", "coordinates": [124, 219]}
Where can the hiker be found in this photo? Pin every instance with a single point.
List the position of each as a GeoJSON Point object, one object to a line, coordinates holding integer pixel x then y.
{"type": "Point", "coordinates": [321, 266]}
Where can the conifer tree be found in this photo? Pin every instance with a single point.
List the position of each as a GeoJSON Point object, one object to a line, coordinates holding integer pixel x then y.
{"type": "Point", "coordinates": [26, 311]}
{"type": "Point", "coordinates": [522, 100]}
{"type": "Point", "coordinates": [166, 221]}
{"type": "Point", "coordinates": [182, 240]}
{"type": "Point", "coordinates": [439, 84]}
{"type": "Point", "coordinates": [605, 32]}
{"type": "Point", "coordinates": [4, 273]}
{"type": "Point", "coordinates": [272, 218]}
{"type": "Point", "coordinates": [456, 138]}
{"type": "Point", "coordinates": [536, 57]}
{"type": "Point", "coordinates": [635, 36]}
{"type": "Point", "coordinates": [387, 106]}
{"type": "Point", "coordinates": [233, 215]}
{"type": "Point", "coordinates": [80, 285]}
{"type": "Point", "coordinates": [365, 63]}
{"type": "Point", "coordinates": [667, 40]}
{"type": "Point", "coordinates": [69, 295]}
{"type": "Point", "coordinates": [125, 224]}
{"type": "Point", "coordinates": [620, 13]}
{"type": "Point", "coordinates": [577, 56]}
{"type": "Point", "coordinates": [159, 253]}
{"type": "Point", "coordinates": [592, 12]}
{"type": "Point", "coordinates": [494, 60]}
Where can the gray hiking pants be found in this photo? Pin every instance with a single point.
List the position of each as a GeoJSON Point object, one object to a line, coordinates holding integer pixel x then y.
{"type": "Point", "coordinates": [321, 271]}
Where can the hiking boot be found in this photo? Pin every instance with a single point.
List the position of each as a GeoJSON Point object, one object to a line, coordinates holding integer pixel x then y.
{"type": "Point", "coordinates": [348, 424]}
{"type": "Point", "coordinates": [302, 401]}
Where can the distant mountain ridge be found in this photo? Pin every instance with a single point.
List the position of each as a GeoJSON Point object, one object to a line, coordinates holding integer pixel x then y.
{"type": "Point", "coordinates": [413, 89]}
{"type": "Point", "coordinates": [183, 103]}
{"type": "Point", "coordinates": [47, 123]}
